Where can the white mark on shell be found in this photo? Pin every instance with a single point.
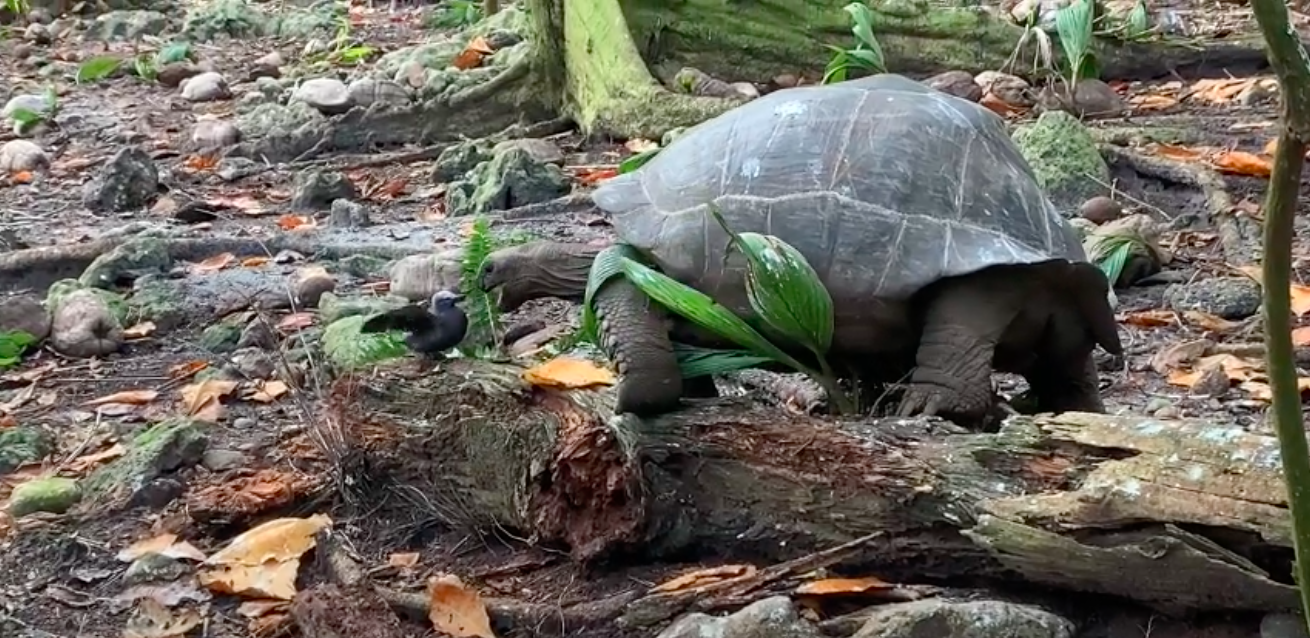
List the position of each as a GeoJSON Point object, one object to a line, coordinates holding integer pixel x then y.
{"type": "Point", "coordinates": [750, 169]}
{"type": "Point", "coordinates": [1195, 473]}
{"type": "Point", "coordinates": [791, 108]}
{"type": "Point", "coordinates": [1132, 488]}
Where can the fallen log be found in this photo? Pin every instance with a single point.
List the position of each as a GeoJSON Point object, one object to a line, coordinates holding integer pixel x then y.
{"type": "Point", "coordinates": [1182, 516]}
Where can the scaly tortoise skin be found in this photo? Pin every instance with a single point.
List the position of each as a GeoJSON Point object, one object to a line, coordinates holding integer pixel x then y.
{"type": "Point", "coordinates": [944, 258]}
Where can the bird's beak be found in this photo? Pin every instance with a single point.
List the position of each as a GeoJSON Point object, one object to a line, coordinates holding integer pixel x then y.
{"type": "Point", "coordinates": [457, 298]}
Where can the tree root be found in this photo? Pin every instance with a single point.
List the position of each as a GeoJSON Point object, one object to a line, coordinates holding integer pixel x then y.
{"type": "Point", "coordinates": [1238, 234]}
{"type": "Point", "coordinates": [37, 268]}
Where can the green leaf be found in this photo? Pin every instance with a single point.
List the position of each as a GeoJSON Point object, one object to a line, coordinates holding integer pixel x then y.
{"type": "Point", "coordinates": [700, 362]}
{"type": "Point", "coordinates": [867, 59]}
{"type": "Point", "coordinates": [637, 161]}
{"type": "Point", "coordinates": [355, 54]}
{"type": "Point", "coordinates": [703, 311]}
{"type": "Point", "coordinates": [837, 68]}
{"type": "Point", "coordinates": [862, 15]}
{"type": "Point", "coordinates": [175, 52]}
{"type": "Point", "coordinates": [1074, 26]}
{"type": "Point", "coordinates": [484, 317]}
{"type": "Point", "coordinates": [608, 263]}
{"type": "Point", "coordinates": [25, 117]}
{"type": "Point", "coordinates": [13, 343]}
{"type": "Point", "coordinates": [51, 100]}
{"type": "Point", "coordinates": [98, 68]}
{"type": "Point", "coordinates": [1139, 22]}
{"type": "Point", "coordinates": [145, 68]}
{"type": "Point", "coordinates": [784, 290]}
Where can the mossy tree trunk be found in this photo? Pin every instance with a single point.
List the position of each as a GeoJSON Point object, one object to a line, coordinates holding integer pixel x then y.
{"type": "Point", "coordinates": [604, 51]}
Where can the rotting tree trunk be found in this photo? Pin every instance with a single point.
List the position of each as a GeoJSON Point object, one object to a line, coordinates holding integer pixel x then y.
{"type": "Point", "coordinates": [610, 46]}
{"type": "Point", "coordinates": [1180, 516]}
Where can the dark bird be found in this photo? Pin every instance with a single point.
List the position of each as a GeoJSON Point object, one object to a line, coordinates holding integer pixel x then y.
{"type": "Point", "coordinates": [428, 331]}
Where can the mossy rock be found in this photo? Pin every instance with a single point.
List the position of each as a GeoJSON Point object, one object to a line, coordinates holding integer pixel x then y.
{"type": "Point", "coordinates": [164, 447]}
{"type": "Point", "coordinates": [346, 348]}
{"type": "Point", "coordinates": [22, 445]}
{"type": "Point", "coordinates": [510, 179]}
{"type": "Point", "coordinates": [54, 494]}
{"type": "Point", "coordinates": [1065, 159]}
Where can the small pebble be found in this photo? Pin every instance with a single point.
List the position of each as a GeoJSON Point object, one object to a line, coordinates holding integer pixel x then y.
{"type": "Point", "coordinates": [215, 134]}
{"type": "Point", "coordinates": [22, 155]}
{"type": "Point", "coordinates": [206, 87]}
{"type": "Point", "coordinates": [329, 95]}
{"type": "Point", "coordinates": [1101, 209]}
{"type": "Point", "coordinates": [957, 83]}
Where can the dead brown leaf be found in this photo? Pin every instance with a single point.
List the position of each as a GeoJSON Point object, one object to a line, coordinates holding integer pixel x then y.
{"type": "Point", "coordinates": [1235, 368]}
{"type": "Point", "coordinates": [1301, 336]}
{"type": "Point", "coordinates": [1152, 102]}
{"type": "Point", "coordinates": [1218, 90]}
{"type": "Point", "coordinates": [1261, 391]}
{"type": "Point", "coordinates": [640, 145]}
{"type": "Point", "coordinates": [203, 400]}
{"type": "Point", "coordinates": [568, 373]}
{"type": "Point", "coordinates": [263, 561]}
{"type": "Point", "coordinates": [480, 45]}
{"type": "Point", "coordinates": [164, 544]}
{"type": "Point", "coordinates": [254, 262]}
{"type": "Point", "coordinates": [1150, 318]}
{"type": "Point", "coordinates": [130, 397]}
{"type": "Point", "coordinates": [295, 222]}
{"type": "Point", "coordinates": [1180, 153]}
{"type": "Point", "coordinates": [184, 370]}
{"type": "Point", "coordinates": [81, 464]}
{"type": "Point", "coordinates": [139, 331]}
{"type": "Point", "coordinates": [403, 559]}
{"type": "Point", "coordinates": [702, 577]}
{"type": "Point", "coordinates": [1207, 321]}
{"type": "Point", "coordinates": [153, 620]}
{"type": "Point", "coordinates": [468, 59]}
{"type": "Point", "coordinates": [830, 586]}
{"type": "Point", "coordinates": [244, 203]}
{"type": "Point", "coordinates": [213, 264]}
{"type": "Point", "coordinates": [457, 610]}
{"type": "Point", "coordinates": [267, 391]}
{"type": "Point", "coordinates": [1179, 355]}
{"type": "Point", "coordinates": [1242, 163]}
{"type": "Point", "coordinates": [201, 162]}
{"type": "Point", "coordinates": [295, 322]}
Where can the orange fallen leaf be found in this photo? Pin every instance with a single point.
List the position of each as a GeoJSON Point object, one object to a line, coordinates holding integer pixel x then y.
{"type": "Point", "coordinates": [1233, 367]}
{"type": "Point", "coordinates": [214, 263]}
{"type": "Point", "coordinates": [1261, 391]}
{"type": "Point", "coordinates": [1207, 321]}
{"type": "Point", "coordinates": [568, 373]}
{"type": "Point", "coordinates": [254, 262]}
{"type": "Point", "coordinates": [183, 370]}
{"type": "Point", "coordinates": [258, 608]}
{"type": "Point", "coordinates": [403, 559]}
{"type": "Point", "coordinates": [592, 176]}
{"type": "Point", "coordinates": [1300, 299]}
{"type": "Point", "coordinates": [1152, 102]}
{"type": "Point", "coordinates": [130, 397]}
{"type": "Point", "coordinates": [295, 222]}
{"type": "Point", "coordinates": [702, 577]}
{"type": "Point", "coordinates": [480, 45]}
{"type": "Point", "coordinates": [999, 106]}
{"type": "Point", "coordinates": [457, 610]}
{"type": "Point", "coordinates": [140, 330]}
{"type": "Point", "coordinates": [295, 322]}
{"type": "Point", "coordinates": [201, 162]}
{"type": "Point", "coordinates": [829, 586]}
{"type": "Point", "coordinates": [244, 203]}
{"type": "Point", "coordinates": [263, 561]}
{"type": "Point", "coordinates": [1181, 153]}
{"type": "Point", "coordinates": [1150, 318]}
{"type": "Point", "coordinates": [8, 421]}
{"type": "Point", "coordinates": [21, 177]}
{"type": "Point", "coordinates": [267, 391]}
{"type": "Point", "coordinates": [203, 400]}
{"type": "Point", "coordinates": [468, 59]}
{"type": "Point", "coordinates": [85, 462]}
{"type": "Point", "coordinates": [1301, 336]}
{"type": "Point", "coordinates": [1242, 163]}
{"type": "Point", "coordinates": [1219, 90]}
{"type": "Point", "coordinates": [166, 544]}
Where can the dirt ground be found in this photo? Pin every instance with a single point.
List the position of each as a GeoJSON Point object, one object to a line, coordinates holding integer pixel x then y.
{"type": "Point", "coordinates": [61, 578]}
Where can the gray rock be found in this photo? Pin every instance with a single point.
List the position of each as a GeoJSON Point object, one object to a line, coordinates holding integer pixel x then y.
{"type": "Point", "coordinates": [512, 178]}
{"type": "Point", "coordinates": [257, 335]}
{"type": "Point", "coordinates": [85, 326]}
{"type": "Point", "coordinates": [348, 214]}
{"type": "Point", "coordinates": [25, 313]}
{"type": "Point", "coordinates": [215, 134]}
{"type": "Point", "coordinates": [367, 91]}
{"type": "Point", "coordinates": [253, 363]}
{"type": "Point", "coordinates": [127, 25]}
{"type": "Point", "coordinates": [128, 181]}
{"type": "Point", "coordinates": [152, 568]}
{"type": "Point", "coordinates": [25, 102]}
{"type": "Point", "coordinates": [1283, 625]}
{"type": "Point", "coordinates": [418, 277]}
{"type": "Point", "coordinates": [22, 445]}
{"type": "Point", "coordinates": [223, 460]}
{"type": "Point", "coordinates": [310, 283]}
{"type": "Point", "coordinates": [1094, 98]}
{"type": "Point", "coordinates": [455, 162]}
{"type": "Point", "coordinates": [1232, 298]}
{"type": "Point", "coordinates": [273, 60]}
{"type": "Point", "coordinates": [165, 447]}
{"type": "Point", "coordinates": [544, 151]}
{"type": "Point", "coordinates": [1065, 159]}
{"type": "Point", "coordinates": [957, 83]}
{"type": "Point", "coordinates": [773, 617]}
{"type": "Point", "coordinates": [329, 95]}
{"type": "Point", "coordinates": [316, 190]}
{"type": "Point", "coordinates": [174, 74]}
{"type": "Point", "coordinates": [209, 86]}
{"type": "Point", "coordinates": [244, 423]}
{"type": "Point", "coordinates": [22, 155]}
{"type": "Point", "coordinates": [936, 618]}
{"type": "Point", "coordinates": [220, 338]}
{"type": "Point", "coordinates": [135, 258]}
{"type": "Point", "coordinates": [38, 33]}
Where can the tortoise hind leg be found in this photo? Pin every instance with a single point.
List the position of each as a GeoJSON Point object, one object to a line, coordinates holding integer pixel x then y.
{"type": "Point", "coordinates": [1066, 386]}
{"type": "Point", "coordinates": [635, 333]}
{"type": "Point", "coordinates": [963, 320]}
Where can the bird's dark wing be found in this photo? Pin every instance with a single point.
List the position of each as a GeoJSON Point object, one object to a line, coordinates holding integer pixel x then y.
{"type": "Point", "coordinates": [407, 318]}
{"type": "Point", "coordinates": [447, 330]}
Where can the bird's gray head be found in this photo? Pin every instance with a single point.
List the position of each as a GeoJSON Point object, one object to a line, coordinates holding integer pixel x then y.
{"type": "Point", "coordinates": [445, 299]}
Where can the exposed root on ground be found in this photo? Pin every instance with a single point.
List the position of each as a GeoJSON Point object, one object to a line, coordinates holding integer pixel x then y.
{"type": "Point", "coordinates": [1238, 234]}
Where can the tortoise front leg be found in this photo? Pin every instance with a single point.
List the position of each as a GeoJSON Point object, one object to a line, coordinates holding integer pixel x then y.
{"type": "Point", "coordinates": [964, 319]}
{"type": "Point", "coordinates": [635, 333]}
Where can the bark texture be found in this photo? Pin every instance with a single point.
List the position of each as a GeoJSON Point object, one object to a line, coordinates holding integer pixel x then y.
{"type": "Point", "coordinates": [1179, 515]}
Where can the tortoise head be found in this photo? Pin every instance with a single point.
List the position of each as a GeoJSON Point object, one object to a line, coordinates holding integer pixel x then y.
{"type": "Point", "coordinates": [537, 269]}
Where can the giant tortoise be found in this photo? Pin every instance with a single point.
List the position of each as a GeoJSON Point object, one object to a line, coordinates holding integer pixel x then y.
{"type": "Point", "coordinates": [944, 258]}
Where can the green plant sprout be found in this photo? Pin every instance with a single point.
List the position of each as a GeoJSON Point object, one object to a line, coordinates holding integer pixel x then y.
{"type": "Point", "coordinates": [456, 14]}
{"type": "Point", "coordinates": [25, 120]}
{"type": "Point", "coordinates": [1073, 24]}
{"type": "Point", "coordinates": [783, 289]}
{"type": "Point", "coordinates": [484, 318]}
{"type": "Point", "coordinates": [867, 54]}
{"type": "Point", "coordinates": [13, 343]}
